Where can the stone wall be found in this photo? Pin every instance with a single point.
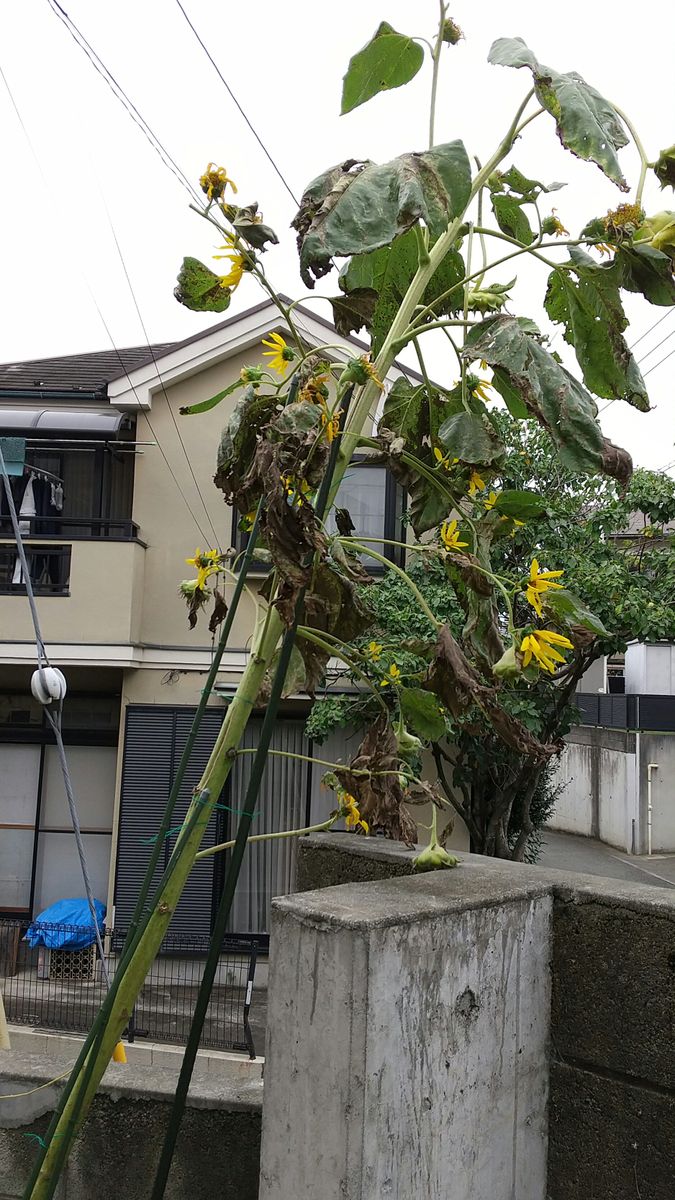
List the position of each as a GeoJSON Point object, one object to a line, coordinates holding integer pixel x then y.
{"type": "Point", "coordinates": [610, 1027]}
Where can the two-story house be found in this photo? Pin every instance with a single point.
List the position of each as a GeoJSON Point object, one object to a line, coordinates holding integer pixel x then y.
{"type": "Point", "coordinates": [116, 492]}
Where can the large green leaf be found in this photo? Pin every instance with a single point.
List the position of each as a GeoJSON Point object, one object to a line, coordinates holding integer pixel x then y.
{"type": "Point", "coordinates": [511, 218]}
{"type": "Point", "coordinates": [586, 123]}
{"type": "Point", "coordinates": [389, 60]}
{"type": "Point", "coordinates": [238, 445]}
{"type": "Point", "coordinates": [550, 394]}
{"type": "Point", "coordinates": [412, 414]}
{"type": "Point", "coordinates": [511, 397]}
{"type": "Point", "coordinates": [198, 288]}
{"type": "Point", "coordinates": [469, 437]}
{"type": "Point", "coordinates": [529, 189]}
{"type": "Point", "coordinates": [647, 271]}
{"type": "Point", "coordinates": [349, 211]}
{"type": "Point", "coordinates": [189, 410]}
{"type": "Point", "coordinates": [422, 712]}
{"type": "Point", "coordinates": [354, 310]}
{"type": "Point", "coordinates": [388, 272]}
{"type": "Point", "coordinates": [591, 311]}
{"type": "Point", "coordinates": [522, 505]}
{"type": "Point", "coordinates": [570, 609]}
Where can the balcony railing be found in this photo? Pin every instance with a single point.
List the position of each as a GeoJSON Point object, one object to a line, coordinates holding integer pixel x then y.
{"type": "Point", "coordinates": [72, 528]}
{"type": "Point", "coordinates": [48, 566]}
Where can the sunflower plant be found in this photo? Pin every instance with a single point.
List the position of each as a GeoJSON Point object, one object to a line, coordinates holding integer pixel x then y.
{"type": "Point", "coordinates": [413, 246]}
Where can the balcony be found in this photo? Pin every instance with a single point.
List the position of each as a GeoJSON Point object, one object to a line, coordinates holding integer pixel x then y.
{"type": "Point", "coordinates": [89, 589]}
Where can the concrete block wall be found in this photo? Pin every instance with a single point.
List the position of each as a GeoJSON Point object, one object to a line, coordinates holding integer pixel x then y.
{"type": "Point", "coordinates": [407, 1052]}
{"type": "Point", "coordinates": [608, 1037]}
{"type": "Point", "coordinates": [600, 799]}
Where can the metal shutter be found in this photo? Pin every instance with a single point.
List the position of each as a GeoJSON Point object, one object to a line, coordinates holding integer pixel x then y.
{"type": "Point", "coordinates": [154, 740]}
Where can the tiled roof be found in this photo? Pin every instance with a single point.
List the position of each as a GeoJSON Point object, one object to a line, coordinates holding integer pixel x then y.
{"type": "Point", "coordinates": [78, 372]}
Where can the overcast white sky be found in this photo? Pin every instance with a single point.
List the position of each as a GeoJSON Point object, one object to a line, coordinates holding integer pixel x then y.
{"type": "Point", "coordinates": [285, 63]}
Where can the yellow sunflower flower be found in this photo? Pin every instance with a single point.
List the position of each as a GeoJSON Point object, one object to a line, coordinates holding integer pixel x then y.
{"type": "Point", "coordinates": [538, 583]}
{"type": "Point", "coordinates": [373, 651]}
{"type": "Point", "coordinates": [476, 483]}
{"type": "Point", "coordinates": [450, 536]}
{"type": "Point", "coordinates": [206, 564]}
{"type": "Point", "coordinates": [350, 811]}
{"type": "Point", "coordinates": [444, 460]}
{"type": "Point", "coordinates": [481, 388]}
{"type": "Point", "coordinates": [393, 676]}
{"type": "Point", "coordinates": [237, 267]}
{"type": "Point", "coordinates": [491, 501]}
{"type": "Point", "coordinates": [279, 353]}
{"type": "Point", "coordinates": [214, 181]}
{"type": "Point", "coordinates": [540, 646]}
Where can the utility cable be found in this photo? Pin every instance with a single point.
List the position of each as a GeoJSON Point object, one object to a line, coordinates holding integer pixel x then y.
{"type": "Point", "coordinates": [158, 373]}
{"type": "Point", "coordinates": [119, 92]}
{"type": "Point", "coordinates": [232, 96]}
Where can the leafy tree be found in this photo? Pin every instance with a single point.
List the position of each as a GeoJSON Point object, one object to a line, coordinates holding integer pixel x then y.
{"type": "Point", "coordinates": [615, 544]}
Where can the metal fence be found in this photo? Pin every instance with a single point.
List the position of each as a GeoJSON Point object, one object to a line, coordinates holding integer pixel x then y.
{"type": "Point", "coordinates": [637, 712]}
{"type": "Point", "coordinates": [63, 989]}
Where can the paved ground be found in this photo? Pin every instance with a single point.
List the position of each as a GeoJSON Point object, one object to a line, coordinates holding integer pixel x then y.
{"type": "Point", "coordinates": [568, 852]}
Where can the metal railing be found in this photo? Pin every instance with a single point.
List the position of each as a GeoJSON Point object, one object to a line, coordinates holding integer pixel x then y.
{"type": "Point", "coordinates": [63, 989]}
{"type": "Point", "coordinates": [74, 528]}
{"type": "Point", "coordinates": [49, 568]}
{"type": "Point", "coordinates": [630, 711]}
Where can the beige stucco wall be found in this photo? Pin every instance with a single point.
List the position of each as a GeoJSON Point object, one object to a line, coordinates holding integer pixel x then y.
{"type": "Point", "coordinates": [104, 604]}
{"type": "Point", "coordinates": [166, 525]}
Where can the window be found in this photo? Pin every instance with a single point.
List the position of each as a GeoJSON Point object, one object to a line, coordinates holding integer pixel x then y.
{"type": "Point", "coordinates": [73, 491]}
{"type": "Point", "coordinates": [375, 504]}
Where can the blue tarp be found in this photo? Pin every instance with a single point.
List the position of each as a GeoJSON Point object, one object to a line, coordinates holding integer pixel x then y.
{"type": "Point", "coordinates": [66, 923]}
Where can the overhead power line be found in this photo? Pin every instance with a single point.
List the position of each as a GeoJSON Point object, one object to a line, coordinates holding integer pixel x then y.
{"type": "Point", "coordinates": [120, 94]}
{"type": "Point", "coordinates": [232, 96]}
{"type": "Point", "coordinates": [667, 314]}
{"type": "Point", "coordinates": [159, 376]}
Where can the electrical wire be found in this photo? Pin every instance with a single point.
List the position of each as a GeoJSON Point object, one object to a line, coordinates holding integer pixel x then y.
{"type": "Point", "coordinates": [651, 327]}
{"type": "Point", "coordinates": [661, 360]}
{"type": "Point", "coordinates": [232, 96]}
{"type": "Point", "coordinates": [120, 94]}
{"type": "Point", "coordinates": [159, 376]}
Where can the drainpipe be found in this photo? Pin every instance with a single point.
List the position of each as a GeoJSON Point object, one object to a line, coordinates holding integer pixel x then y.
{"type": "Point", "coordinates": [650, 767]}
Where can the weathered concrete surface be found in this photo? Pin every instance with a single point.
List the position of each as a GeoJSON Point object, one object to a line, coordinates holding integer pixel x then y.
{"type": "Point", "coordinates": [614, 987]}
{"type": "Point", "coordinates": [218, 1149]}
{"type": "Point", "coordinates": [407, 1047]}
{"type": "Point", "coordinates": [609, 1139]}
{"type": "Point", "coordinates": [612, 1106]}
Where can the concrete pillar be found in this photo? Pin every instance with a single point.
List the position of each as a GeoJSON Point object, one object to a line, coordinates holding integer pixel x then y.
{"type": "Point", "coordinates": [407, 1041]}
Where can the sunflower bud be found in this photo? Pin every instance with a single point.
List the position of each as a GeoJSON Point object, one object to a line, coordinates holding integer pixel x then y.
{"type": "Point", "coordinates": [451, 33]}
{"type": "Point", "coordinates": [509, 666]}
{"type": "Point", "coordinates": [659, 231]}
{"type": "Point", "coordinates": [407, 743]}
{"type": "Point", "coordinates": [434, 858]}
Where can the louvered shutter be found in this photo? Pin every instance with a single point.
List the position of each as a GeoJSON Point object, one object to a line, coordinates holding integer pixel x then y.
{"type": "Point", "coordinates": [154, 740]}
